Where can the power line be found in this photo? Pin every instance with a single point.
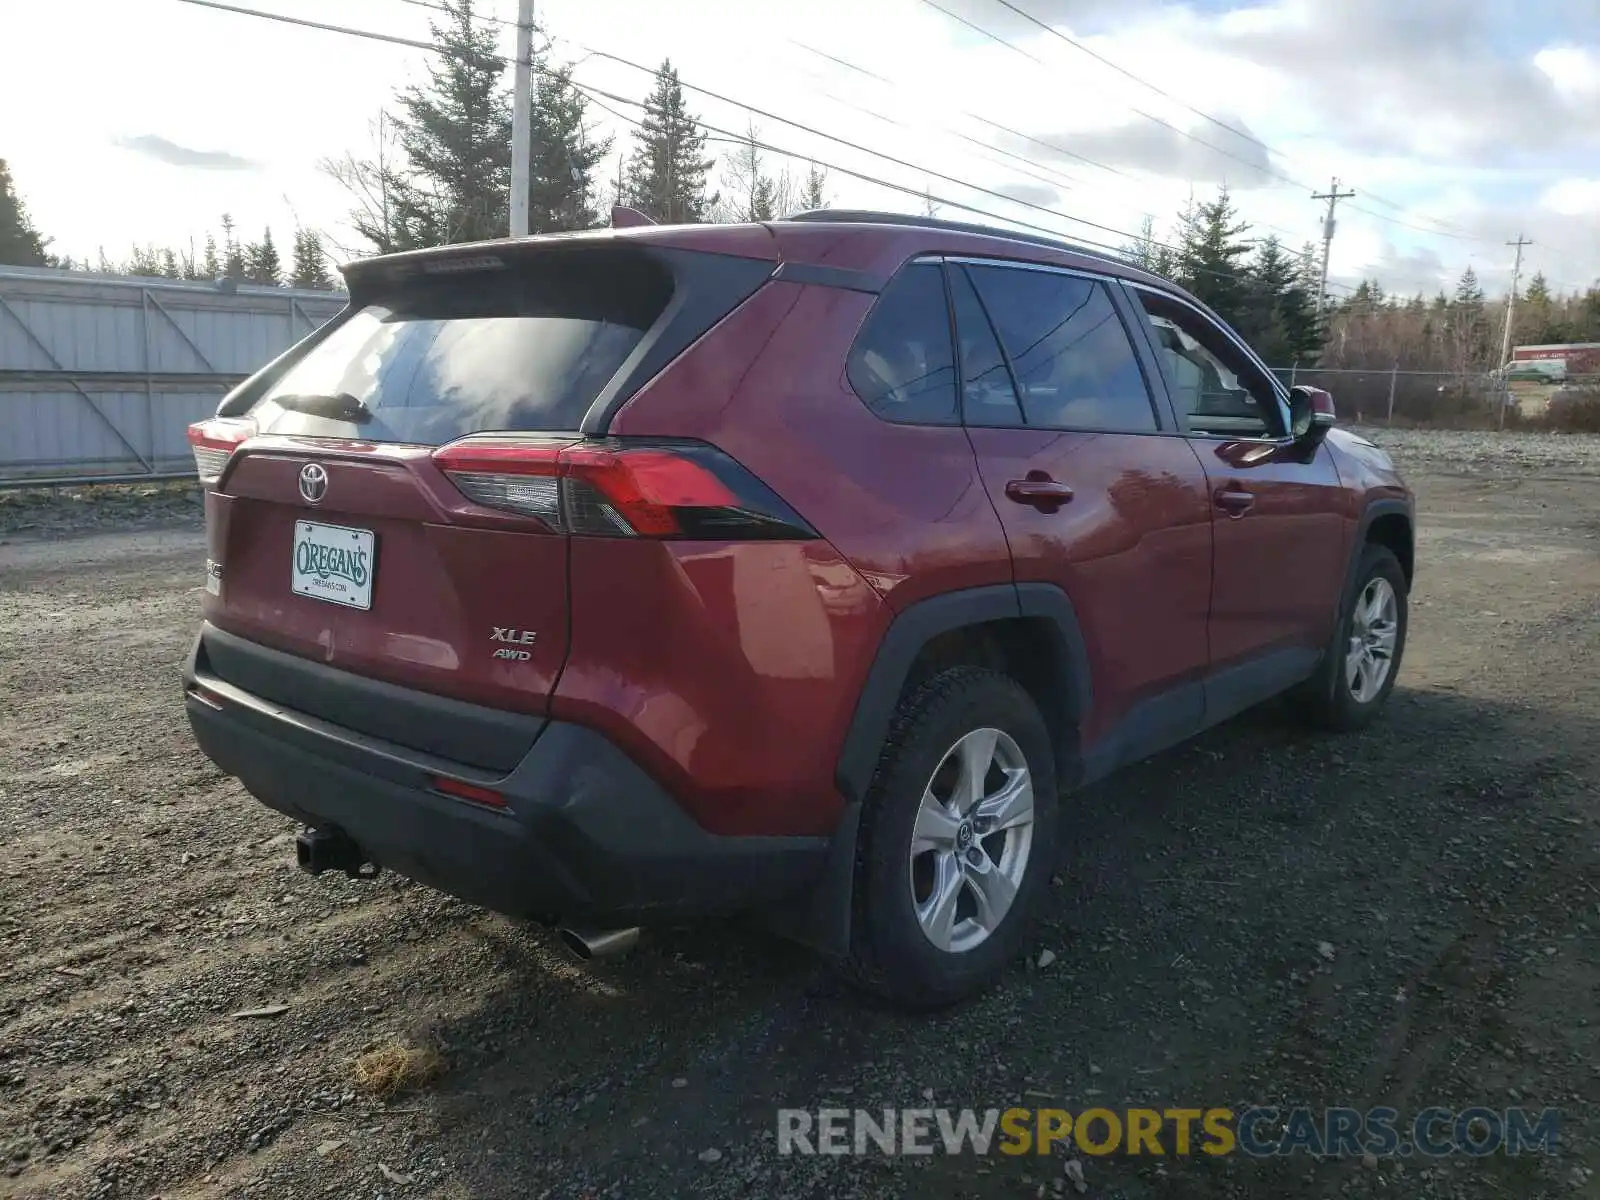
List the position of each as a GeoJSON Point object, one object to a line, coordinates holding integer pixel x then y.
{"type": "Point", "coordinates": [1029, 167]}
{"type": "Point", "coordinates": [1016, 133]}
{"type": "Point", "coordinates": [867, 150]}
{"type": "Point", "coordinates": [1123, 71]}
{"type": "Point", "coordinates": [1217, 121]}
{"type": "Point", "coordinates": [490, 17]}
{"type": "Point", "coordinates": [1267, 170]}
{"type": "Point", "coordinates": [393, 39]}
{"type": "Point", "coordinates": [972, 116]}
{"type": "Point", "coordinates": [995, 37]}
{"type": "Point", "coordinates": [588, 89]}
{"type": "Point", "coordinates": [744, 139]}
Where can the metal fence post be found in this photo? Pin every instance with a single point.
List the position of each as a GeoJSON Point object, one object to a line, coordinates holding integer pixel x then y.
{"type": "Point", "coordinates": [149, 386]}
{"type": "Point", "coordinates": [1394, 374]}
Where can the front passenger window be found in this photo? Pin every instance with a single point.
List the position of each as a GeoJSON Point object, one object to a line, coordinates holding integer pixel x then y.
{"type": "Point", "coordinates": [1215, 388]}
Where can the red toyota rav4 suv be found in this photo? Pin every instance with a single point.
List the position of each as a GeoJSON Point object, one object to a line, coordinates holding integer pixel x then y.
{"type": "Point", "coordinates": [800, 568]}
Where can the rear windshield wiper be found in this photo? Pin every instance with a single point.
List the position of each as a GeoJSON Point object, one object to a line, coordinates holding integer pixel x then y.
{"type": "Point", "coordinates": [341, 406]}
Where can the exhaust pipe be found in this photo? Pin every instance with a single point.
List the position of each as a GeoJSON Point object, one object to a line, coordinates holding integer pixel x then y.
{"type": "Point", "coordinates": [319, 850]}
{"type": "Point", "coordinates": [589, 944]}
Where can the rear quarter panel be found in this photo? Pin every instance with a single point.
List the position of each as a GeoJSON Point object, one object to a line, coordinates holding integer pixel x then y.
{"type": "Point", "coordinates": [733, 671]}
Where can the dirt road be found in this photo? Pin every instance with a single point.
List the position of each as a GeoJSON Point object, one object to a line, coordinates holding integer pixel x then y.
{"type": "Point", "coordinates": [1449, 858]}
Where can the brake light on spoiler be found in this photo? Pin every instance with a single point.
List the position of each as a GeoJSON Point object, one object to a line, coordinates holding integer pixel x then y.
{"type": "Point", "coordinates": [614, 487]}
{"type": "Point", "coordinates": [214, 442]}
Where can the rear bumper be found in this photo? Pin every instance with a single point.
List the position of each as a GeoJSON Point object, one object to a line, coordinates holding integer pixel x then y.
{"type": "Point", "coordinates": [586, 835]}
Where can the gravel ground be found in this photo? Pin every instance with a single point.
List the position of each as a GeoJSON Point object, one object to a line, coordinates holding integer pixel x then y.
{"type": "Point", "coordinates": [1407, 916]}
{"type": "Point", "coordinates": [33, 513]}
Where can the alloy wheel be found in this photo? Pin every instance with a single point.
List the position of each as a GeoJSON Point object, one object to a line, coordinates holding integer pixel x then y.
{"type": "Point", "coordinates": [971, 841]}
{"type": "Point", "coordinates": [1374, 630]}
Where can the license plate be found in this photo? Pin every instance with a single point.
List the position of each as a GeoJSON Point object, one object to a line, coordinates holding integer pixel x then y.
{"type": "Point", "coordinates": [333, 563]}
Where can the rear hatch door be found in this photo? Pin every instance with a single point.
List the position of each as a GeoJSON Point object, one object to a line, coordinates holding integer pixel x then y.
{"type": "Point", "coordinates": [337, 537]}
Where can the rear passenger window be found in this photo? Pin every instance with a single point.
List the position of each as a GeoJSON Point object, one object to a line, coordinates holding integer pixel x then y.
{"type": "Point", "coordinates": [1069, 352]}
{"type": "Point", "coordinates": [902, 364]}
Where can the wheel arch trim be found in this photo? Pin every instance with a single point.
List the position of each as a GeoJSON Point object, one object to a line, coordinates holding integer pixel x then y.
{"type": "Point", "coordinates": [917, 625]}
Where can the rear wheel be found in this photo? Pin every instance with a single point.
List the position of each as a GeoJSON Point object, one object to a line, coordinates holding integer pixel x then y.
{"type": "Point", "coordinates": [1359, 670]}
{"type": "Point", "coordinates": [958, 840]}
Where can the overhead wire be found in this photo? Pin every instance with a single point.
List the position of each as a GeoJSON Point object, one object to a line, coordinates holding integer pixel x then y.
{"type": "Point", "coordinates": [1006, 129]}
{"type": "Point", "coordinates": [744, 139]}
{"type": "Point", "coordinates": [924, 193]}
{"type": "Point", "coordinates": [1442, 231]}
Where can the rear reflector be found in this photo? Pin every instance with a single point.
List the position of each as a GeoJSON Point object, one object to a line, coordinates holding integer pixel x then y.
{"type": "Point", "coordinates": [214, 442]}
{"type": "Point", "coordinates": [617, 488]}
{"type": "Point", "coordinates": [462, 790]}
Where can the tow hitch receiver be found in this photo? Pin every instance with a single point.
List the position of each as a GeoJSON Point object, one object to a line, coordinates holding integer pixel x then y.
{"type": "Point", "coordinates": [319, 850]}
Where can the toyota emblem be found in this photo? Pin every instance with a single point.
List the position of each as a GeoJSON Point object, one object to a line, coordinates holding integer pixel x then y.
{"type": "Point", "coordinates": [313, 483]}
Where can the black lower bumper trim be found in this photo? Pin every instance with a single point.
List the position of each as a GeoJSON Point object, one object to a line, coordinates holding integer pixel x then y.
{"type": "Point", "coordinates": [586, 835]}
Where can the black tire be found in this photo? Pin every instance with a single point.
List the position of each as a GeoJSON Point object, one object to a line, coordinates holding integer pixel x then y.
{"type": "Point", "coordinates": [1327, 700]}
{"type": "Point", "coordinates": [890, 954]}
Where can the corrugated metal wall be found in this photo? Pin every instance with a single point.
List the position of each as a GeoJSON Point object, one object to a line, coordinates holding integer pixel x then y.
{"type": "Point", "coordinates": [100, 375]}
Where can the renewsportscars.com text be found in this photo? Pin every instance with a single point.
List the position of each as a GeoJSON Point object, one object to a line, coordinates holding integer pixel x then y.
{"type": "Point", "coordinates": [1254, 1132]}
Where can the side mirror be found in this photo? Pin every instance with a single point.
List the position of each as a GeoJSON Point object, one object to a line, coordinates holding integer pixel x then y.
{"type": "Point", "coordinates": [1311, 414]}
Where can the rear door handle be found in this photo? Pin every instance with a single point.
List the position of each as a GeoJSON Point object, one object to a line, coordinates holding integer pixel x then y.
{"type": "Point", "coordinates": [1039, 490]}
{"type": "Point", "coordinates": [1233, 500]}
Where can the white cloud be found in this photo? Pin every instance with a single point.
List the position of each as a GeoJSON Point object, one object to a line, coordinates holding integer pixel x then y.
{"type": "Point", "coordinates": [282, 97]}
{"type": "Point", "coordinates": [1575, 70]}
{"type": "Point", "coordinates": [1574, 197]}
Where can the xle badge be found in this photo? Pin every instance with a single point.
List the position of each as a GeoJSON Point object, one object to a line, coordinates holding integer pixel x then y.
{"type": "Point", "coordinates": [518, 637]}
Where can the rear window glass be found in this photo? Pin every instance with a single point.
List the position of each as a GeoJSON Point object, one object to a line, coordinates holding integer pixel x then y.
{"type": "Point", "coordinates": [902, 364]}
{"type": "Point", "coordinates": [528, 348]}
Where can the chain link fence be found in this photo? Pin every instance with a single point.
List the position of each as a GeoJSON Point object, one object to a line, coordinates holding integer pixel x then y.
{"type": "Point", "coordinates": [1451, 400]}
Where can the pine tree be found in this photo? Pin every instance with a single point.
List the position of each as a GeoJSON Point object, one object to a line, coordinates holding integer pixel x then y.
{"type": "Point", "coordinates": [210, 265]}
{"type": "Point", "coordinates": [20, 243]}
{"type": "Point", "coordinates": [169, 264]}
{"type": "Point", "coordinates": [667, 173]}
{"type": "Point", "coordinates": [310, 268]}
{"type": "Point", "coordinates": [1469, 325]}
{"type": "Point", "coordinates": [561, 184]}
{"type": "Point", "coordinates": [1535, 316]}
{"type": "Point", "coordinates": [1278, 317]}
{"type": "Point", "coordinates": [143, 260]}
{"type": "Point", "coordinates": [1212, 255]}
{"type": "Point", "coordinates": [233, 264]}
{"type": "Point", "coordinates": [455, 135]}
{"type": "Point", "coordinates": [261, 262]}
{"type": "Point", "coordinates": [814, 189]}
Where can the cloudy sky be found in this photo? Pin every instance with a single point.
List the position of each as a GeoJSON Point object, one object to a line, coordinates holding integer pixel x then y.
{"type": "Point", "coordinates": [1459, 123]}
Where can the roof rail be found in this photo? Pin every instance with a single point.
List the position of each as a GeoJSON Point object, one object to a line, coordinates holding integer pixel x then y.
{"type": "Point", "coordinates": [862, 216]}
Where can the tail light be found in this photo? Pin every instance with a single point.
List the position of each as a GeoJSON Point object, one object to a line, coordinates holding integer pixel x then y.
{"type": "Point", "coordinates": [214, 442]}
{"type": "Point", "coordinates": [616, 488]}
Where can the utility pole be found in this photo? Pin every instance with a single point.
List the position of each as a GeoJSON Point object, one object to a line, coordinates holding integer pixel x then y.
{"type": "Point", "coordinates": [1504, 389]}
{"type": "Point", "coordinates": [1333, 195]}
{"type": "Point", "coordinates": [1511, 300]}
{"type": "Point", "coordinates": [522, 120]}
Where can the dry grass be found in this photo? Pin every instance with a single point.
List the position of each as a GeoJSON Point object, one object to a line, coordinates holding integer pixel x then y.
{"type": "Point", "coordinates": [395, 1067]}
